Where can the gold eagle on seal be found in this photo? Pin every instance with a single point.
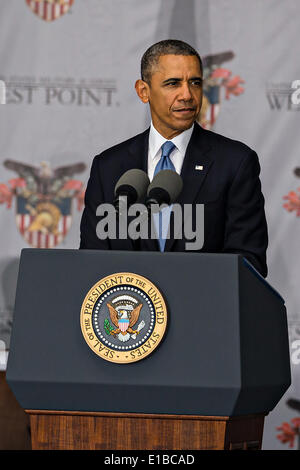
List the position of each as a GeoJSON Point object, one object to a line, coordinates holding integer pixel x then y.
{"type": "Point", "coordinates": [124, 311]}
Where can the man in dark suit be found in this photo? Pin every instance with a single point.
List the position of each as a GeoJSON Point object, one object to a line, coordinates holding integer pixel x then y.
{"type": "Point", "coordinates": [218, 172]}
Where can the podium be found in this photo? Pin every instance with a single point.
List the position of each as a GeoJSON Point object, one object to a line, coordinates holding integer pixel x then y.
{"type": "Point", "coordinates": [220, 368]}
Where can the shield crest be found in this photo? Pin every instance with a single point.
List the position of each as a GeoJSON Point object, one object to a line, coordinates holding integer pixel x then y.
{"type": "Point", "coordinates": [44, 224]}
{"type": "Point", "coordinates": [50, 10]}
{"type": "Point", "coordinates": [43, 198]}
{"type": "Point", "coordinates": [123, 324]}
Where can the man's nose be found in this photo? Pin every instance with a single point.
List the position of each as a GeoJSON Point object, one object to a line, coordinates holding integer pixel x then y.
{"type": "Point", "coordinates": [185, 92]}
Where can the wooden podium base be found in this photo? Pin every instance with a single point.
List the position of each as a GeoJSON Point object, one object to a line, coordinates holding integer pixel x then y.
{"type": "Point", "coordinates": [58, 430]}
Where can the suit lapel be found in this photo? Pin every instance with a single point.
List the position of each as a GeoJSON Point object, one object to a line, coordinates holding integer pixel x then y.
{"type": "Point", "coordinates": [136, 158]}
{"type": "Point", "coordinates": [198, 154]}
{"type": "Point", "coordinates": [138, 152]}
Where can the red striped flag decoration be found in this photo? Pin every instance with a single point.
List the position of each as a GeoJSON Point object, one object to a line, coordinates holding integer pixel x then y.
{"type": "Point", "coordinates": [50, 10]}
{"type": "Point", "coordinates": [39, 239]}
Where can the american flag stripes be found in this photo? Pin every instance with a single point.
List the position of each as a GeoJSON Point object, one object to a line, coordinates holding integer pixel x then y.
{"type": "Point", "coordinates": [49, 10]}
{"type": "Point", "coordinates": [38, 239]}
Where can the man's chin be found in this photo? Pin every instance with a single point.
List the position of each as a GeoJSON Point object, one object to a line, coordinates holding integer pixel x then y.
{"type": "Point", "coordinates": [184, 124]}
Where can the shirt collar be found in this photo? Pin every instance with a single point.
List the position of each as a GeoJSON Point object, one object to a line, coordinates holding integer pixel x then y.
{"type": "Point", "coordinates": [156, 140]}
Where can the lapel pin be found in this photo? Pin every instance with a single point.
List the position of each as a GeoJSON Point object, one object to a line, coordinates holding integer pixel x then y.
{"type": "Point", "coordinates": [199, 167]}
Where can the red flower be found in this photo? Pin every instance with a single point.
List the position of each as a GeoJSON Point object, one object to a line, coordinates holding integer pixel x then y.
{"type": "Point", "coordinates": [73, 184]}
{"type": "Point", "coordinates": [231, 84]}
{"type": "Point", "coordinates": [233, 87]}
{"type": "Point", "coordinates": [17, 183]}
{"type": "Point", "coordinates": [221, 73]}
{"type": "Point", "coordinates": [289, 432]}
{"type": "Point", "coordinates": [5, 195]}
{"type": "Point", "coordinates": [293, 203]}
{"type": "Point", "coordinates": [296, 423]}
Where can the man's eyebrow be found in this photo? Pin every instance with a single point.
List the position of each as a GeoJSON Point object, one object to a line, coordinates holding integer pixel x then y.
{"type": "Point", "coordinates": [180, 79]}
{"type": "Point", "coordinates": [172, 80]}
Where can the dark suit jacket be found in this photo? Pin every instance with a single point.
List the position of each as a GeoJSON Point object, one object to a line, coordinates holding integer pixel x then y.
{"type": "Point", "coordinates": [228, 186]}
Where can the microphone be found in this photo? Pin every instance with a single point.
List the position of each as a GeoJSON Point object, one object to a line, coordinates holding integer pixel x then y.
{"type": "Point", "coordinates": [164, 188]}
{"type": "Point", "coordinates": [130, 188]}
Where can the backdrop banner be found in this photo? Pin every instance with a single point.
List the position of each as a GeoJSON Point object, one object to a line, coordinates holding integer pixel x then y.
{"type": "Point", "coordinates": [68, 69]}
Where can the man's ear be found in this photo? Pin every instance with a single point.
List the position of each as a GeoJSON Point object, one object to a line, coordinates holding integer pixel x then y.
{"type": "Point", "coordinates": [142, 89]}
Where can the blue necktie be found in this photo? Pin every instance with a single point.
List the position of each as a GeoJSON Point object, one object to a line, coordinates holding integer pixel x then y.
{"type": "Point", "coordinates": [165, 161]}
{"type": "Point", "coordinates": [162, 219]}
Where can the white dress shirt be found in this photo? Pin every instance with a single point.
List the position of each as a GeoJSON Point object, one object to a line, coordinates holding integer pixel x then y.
{"type": "Point", "coordinates": [156, 140]}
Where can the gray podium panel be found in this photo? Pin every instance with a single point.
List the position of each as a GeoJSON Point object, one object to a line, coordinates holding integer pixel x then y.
{"type": "Point", "coordinates": [225, 351]}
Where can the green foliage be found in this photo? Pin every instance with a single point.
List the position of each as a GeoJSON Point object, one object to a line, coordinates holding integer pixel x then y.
{"type": "Point", "coordinates": [107, 326]}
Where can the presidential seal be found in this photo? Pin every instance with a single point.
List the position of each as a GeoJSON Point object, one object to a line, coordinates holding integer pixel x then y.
{"type": "Point", "coordinates": [123, 318]}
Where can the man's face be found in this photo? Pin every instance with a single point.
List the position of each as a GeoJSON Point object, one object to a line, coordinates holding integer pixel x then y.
{"type": "Point", "coordinates": [174, 93]}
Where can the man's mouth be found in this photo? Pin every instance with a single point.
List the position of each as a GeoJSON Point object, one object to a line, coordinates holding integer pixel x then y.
{"type": "Point", "coordinates": [184, 111]}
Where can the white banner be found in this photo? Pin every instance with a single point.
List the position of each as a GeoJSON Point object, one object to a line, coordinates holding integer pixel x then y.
{"type": "Point", "coordinates": [67, 74]}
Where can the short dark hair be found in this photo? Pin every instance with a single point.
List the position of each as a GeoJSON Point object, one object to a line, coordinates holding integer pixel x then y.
{"type": "Point", "coordinates": [166, 47]}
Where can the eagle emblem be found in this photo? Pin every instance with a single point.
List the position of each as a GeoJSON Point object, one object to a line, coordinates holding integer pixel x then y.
{"type": "Point", "coordinates": [216, 78]}
{"type": "Point", "coordinates": [124, 311]}
{"type": "Point", "coordinates": [43, 200]}
{"type": "Point", "coordinates": [123, 317]}
{"type": "Point", "coordinates": [49, 10]}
